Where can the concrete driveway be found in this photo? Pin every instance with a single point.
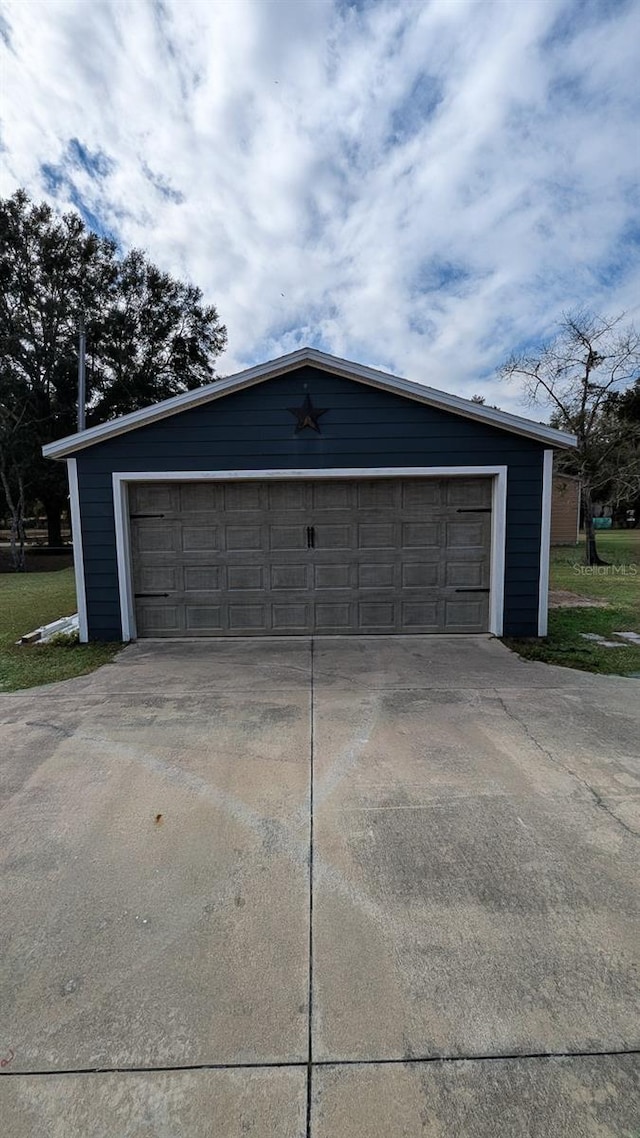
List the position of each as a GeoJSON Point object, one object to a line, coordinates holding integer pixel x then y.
{"type": "Point", "coordinates": [342, 889]}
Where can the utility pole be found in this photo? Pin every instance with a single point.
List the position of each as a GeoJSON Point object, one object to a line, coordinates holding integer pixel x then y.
{"type": "Point", "coordinates": [82, 384]}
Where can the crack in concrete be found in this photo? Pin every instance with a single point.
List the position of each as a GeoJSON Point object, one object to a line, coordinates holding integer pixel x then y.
{"type": "Point", "coordinates": [597, 798]}
{"type": "Point", "coordinates": [387, 1061]}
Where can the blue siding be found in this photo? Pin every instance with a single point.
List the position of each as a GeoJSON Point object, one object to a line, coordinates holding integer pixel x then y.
{"type": "Point", "coordinates": [364, 427]}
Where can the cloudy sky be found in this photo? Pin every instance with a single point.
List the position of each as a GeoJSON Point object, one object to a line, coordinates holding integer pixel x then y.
{"type": "Point", "coordinates": [422, 187]}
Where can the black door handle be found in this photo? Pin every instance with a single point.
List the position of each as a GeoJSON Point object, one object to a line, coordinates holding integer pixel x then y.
{"type": "Point", "coordinates": [311, 537]}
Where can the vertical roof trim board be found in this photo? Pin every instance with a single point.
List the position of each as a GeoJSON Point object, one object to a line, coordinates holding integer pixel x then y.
{"type": "Point", "coordinates": [503, 420]}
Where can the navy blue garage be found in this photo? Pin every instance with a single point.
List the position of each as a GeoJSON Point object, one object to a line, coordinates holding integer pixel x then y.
{"type": "Point", "coordinates": [310, 495]}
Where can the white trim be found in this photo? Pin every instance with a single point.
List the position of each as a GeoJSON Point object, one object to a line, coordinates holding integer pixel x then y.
{"type": "Point", "coordinates": [504, 420]}
{"type": "Point", "coordinates": [121, 479]}
{"type": "Point", "coordinates": [307, 473]}
{"type": "Point", "coordinates": [123, 555]}
{"type": "Point", "coordinates": [498, 550]}
{"type": "Point", "coordinates": [545, 543]}
{"type": "Point", "coordinates": [78, 552]}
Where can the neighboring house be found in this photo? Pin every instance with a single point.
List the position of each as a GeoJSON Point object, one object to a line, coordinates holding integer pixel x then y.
{"type": "Point", "coordinates": [311, 495]}
{"type": "Point", "coordinates": [565, 510]}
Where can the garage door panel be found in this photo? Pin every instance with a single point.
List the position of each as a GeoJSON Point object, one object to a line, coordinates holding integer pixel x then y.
{"type": "Point", "coordinates": [461, 573]}
{"type": "Point", "coordinates": [333, 576]}
{"type": "Point", "coordinates": [420, 615]}
{"type": "Point", "coordinates": [238, 538]}
{"type": "Point", "coordinates": [464, 615]}
{"type": "Point", "coordinates": [288, 537]}
{"type": "Point", "coordinates": [378, 575]}
{"type": "Point", "coordinates": [155, 619]}
{"type": "Point", "coordinates": [156, 578]}
{"type": "Point", "coordinates": [377, 535]}
{"type": "Point", "coordinates": [333, 495]}
{"type": "Point", "coordinates": [421, 535]}
{"type": "Point", "coordinates": [241, 577]}
{"type": "Point", "coordinates": [332, 617]}
{"type": "Point", "coordinates": [468, 492]}
{"type": "Point", "coordinates": [465, 534]}
{"type": "Point", "coordinates": [291, 617]}
{"type": "Point", "coordinates": [420, 575]}
{"type": "Point", "coordinates": [378, 615]}
{"type": "Point", "coordinates": [421, 494]}
{"type": "Point", "coordinates": [345, 557]}
{"type": "Point", "coordinates": [242, 496]}
{"type": "Point", "coordinates": [201, 578]}
{"type": "Point", "coordinates": [247, 617]}
{"type": "Point", "coordinates": [378, 494]}
{"type": "Point", "coordinates": [201, 497]}
{"type": "Point", "coordinates": [328, 536]}
{"type": "Point", "coordinates": [287, 495]}
{"type": "Point", "coordinates": [153, 497]}
{"type": "Point", "coordinates": [203, 618]}
{"type": "Point", "coordinates": [290, 577]}
{"type": "Point", "coordinates": [197, 537]}
{"type": "Point", "coordinates": [156, 537]}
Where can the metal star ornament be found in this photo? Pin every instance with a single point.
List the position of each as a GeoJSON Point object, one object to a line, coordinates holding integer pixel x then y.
{"type": "Point", "coordinates": [307, 415]}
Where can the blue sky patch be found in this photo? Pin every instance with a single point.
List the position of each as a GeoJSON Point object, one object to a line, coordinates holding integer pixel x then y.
{"type": "Point", "coordinates": [163, 186]}
{"type": "Point", "coordinates": [623, 258]}
{"type": "Point", "coordinates": [417, 107]}
{"type": "Point", "coordinates": [58, 183]}
{"type": "Point", "coordinates": [53, 178]}
{"type": "Point", "coordinates": [578, 15]}
{"type": "Point", "coordinates": [56, 176]}
{"type": "Point", "coordinates": [96, 163]}
{"type": "Point", "coordinates": [59, 180]}
{"type": "Point", "coordinates": [91, 219]}
{"type": "Point", "coordinates": [437, 274]}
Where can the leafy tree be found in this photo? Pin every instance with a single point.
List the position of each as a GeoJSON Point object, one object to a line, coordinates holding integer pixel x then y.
{"type": "Point", "coordinates": [628, 404]}
{"type": "Point", "coordinates": [13, 470]}
{"type": "Point", "coordinates": [578, 375]}
{"type": "Point", "coordinates": [627, 407]}
{"type": "Point", "coordinates": [149, 336]}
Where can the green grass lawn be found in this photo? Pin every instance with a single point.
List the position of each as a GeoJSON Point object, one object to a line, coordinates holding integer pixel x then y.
{"type": "Point", "coordinates": [617, 583]}
{"type": "Point", "coordinates": [28, 600]}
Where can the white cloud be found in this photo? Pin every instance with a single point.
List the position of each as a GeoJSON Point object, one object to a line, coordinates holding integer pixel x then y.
{"type": "Point", "coordinates": [416, 186]}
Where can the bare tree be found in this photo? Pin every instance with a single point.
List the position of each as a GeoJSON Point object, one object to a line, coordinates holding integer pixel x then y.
{"type": "Point", "coordinates": [577, 375]}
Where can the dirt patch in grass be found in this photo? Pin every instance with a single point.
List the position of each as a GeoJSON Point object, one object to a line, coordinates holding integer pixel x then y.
{"type": "Point", "coordinates": [563, 599]}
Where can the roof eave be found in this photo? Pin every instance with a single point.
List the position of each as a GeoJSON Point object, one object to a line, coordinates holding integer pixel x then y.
{"type": "Point", "coordinates": [454, 404]}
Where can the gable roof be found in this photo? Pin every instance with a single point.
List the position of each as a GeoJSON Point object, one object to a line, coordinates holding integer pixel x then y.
{"type": "Point", "coordinates": [503, 420]}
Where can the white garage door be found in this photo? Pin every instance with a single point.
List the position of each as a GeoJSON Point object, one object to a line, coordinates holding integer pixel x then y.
{"type": "Point", "coordinates": [355, 556]}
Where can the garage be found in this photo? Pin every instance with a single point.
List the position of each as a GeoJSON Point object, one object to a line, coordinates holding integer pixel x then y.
{"type": "Point", "coordinates": [341, 556]}
{"type": "Point", "coordinates": [310, 495]}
